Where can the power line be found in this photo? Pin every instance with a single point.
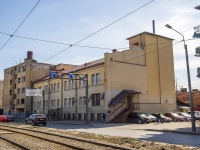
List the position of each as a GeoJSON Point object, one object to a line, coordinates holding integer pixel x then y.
{"type": "Point", "coordinates": [19, 26]}
{"type": "Point", "coordinates": [99, 30]}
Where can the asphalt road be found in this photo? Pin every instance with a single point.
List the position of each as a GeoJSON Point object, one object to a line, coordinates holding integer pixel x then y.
{"type": "Point", "coordinates": [166, 137]}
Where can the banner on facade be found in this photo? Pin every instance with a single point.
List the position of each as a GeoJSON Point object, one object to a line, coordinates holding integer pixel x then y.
{"type": "Point", "coordinates": [33, 92]}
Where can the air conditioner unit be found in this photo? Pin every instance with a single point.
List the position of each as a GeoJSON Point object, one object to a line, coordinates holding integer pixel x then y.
{"type": "Point", "coordinates": [102, 96]}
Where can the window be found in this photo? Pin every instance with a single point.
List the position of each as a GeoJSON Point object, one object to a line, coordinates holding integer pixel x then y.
{"type": "Point", "coordinates": [51, 87]}
{"type": "Point", "coordinates": [22, 101]}
{"type": "Point", "coordinates": [58, 103]}
{"type": "Point", "coordinates": [46, 104]}
{"type": "Point", "coordinates": [24, 68]}
{"type": "Point", "coordinates": [65, 85]}
{"type": "Point", "coordinates": [65, 102]}
{"type": "Point", "coordinates": [80, 83]}
{"type": "Point", "coordinates": [73, 83]}
{"type": "Point", "coordinates": [38, 104]}
{"type": "Point", "coordinates": [18, 91]}
{"type": "Point", "coordinates": [70, 84]}
{"type": "Point", "coordinates": [54, 87]}
{"type": "Point", "coordinates": [23, 79]}
{"type": "Point", "coordinates": [23, 90]}
{"type": "Point", "coordinates": [51, 103]}
{"type": "Point", "coordinates": [98, 78]}
{"type": "Point", "coordinates": [93, 79]}
{"type": "Point", "coordinates": [18, 101]}
{"type": "Point", "coordinates": [54, 103]}
{"type": "Point", "coordinates": [58, 86]}
{"type": "Point", "coordinates": [96, 99]}
{"type": "Point", "coordinates": [70, 102]}
{"type": "Point", "coordinates": [80, 101]}
{"type": "Point", "coordinates": [18, 80]}
{"type": "Point", "coordinates": [73, 102]}
{"type": "Point", "coordinates": [10, 82]}
{"type": "Point", "coordinates": [46, 89]}
{"type": "Point", "coordinates": [84, 101]}
{"type": "Point", "coordinates": [84, 82]}
{"type": "Point", "coordinates": [39, 87]}
{"type": "Point", "coordinates": [19, 69]}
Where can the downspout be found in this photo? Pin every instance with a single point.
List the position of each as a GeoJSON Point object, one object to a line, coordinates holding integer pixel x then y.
{"type": "Point", "coordinates": [76, 100]}
{"type": "Point", "coordinates": [48, 100]}
{"type": "Point", "coordinates": [159, 70]}
{"type": "Point", "coordinates": [61, 113]}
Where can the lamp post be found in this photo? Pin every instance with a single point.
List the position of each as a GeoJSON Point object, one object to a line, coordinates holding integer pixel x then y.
{"type": "Point", "coordinates": [189, 81]}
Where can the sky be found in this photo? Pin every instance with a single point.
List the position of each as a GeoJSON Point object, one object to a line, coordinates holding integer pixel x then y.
{"type": "Point", "coordinates": [69, 22]}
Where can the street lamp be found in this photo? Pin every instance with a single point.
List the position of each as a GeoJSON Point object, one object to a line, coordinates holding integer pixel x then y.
{"type": "Point", "coordinates": [189, 81]}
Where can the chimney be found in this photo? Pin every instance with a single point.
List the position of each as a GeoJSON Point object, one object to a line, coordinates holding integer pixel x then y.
{"type": "Point", "coordinates": [114, 50]}
{"type": "Point", "coordinates": [29, 55]}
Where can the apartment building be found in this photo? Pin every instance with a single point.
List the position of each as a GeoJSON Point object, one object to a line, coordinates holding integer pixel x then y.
{"type": "Point", "coordinates": [140, 78]}
{"type": "Point", "coordinates": [17, 79]}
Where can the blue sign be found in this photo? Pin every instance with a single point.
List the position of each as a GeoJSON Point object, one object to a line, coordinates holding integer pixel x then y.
{"type": "Point", "coordinates": [53, 74]}
{"type": "Point", "coordinates": [70, 76]}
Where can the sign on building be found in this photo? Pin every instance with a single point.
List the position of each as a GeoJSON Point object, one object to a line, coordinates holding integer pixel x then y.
{"type": "Point", "coordinates": [33, 92]}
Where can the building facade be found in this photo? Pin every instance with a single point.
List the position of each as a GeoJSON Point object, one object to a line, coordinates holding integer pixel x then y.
{"type": "Point", "coordinates": [138, 79]}
{"type": "Point", "coordinates": [16, 80]}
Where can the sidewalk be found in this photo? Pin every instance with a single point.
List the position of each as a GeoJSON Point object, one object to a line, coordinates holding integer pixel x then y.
{"type": "Point", "coordinates": [174, 127]}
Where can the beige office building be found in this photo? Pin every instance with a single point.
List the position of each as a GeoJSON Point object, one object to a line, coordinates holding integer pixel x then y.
{"type": "Point", "coordinates": [140, 78]}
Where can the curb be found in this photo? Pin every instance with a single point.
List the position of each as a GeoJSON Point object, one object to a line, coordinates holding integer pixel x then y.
{"type": "Point", "coordinates": [173, 131]}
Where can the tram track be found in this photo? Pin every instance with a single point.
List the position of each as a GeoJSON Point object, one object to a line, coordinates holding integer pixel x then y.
{"type": "Point", "coordinates": [65, 141]}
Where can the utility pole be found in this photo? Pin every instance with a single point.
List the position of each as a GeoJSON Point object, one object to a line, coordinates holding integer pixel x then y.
{"type": "Point", "coordinates": [86, 94]}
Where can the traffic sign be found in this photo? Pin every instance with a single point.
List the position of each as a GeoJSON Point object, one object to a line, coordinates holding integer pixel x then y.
{"type": "Point", "coordinates": [33, 92]}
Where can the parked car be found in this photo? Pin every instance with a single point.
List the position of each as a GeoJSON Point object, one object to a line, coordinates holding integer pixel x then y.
{"type": "Point", "coordinates": [186, 115]}
{"type": "Point", "coordinates": [11, 118]}
{"type": "Point", "coordinates": [175, 117]}
{"type": "Point", "coordinates": [4, 118]}
{"type": "Point", "coordinates": [138, 117]}
{"type": "Point", "coordinates": [36, 119]}
{"type": "Point", "coordinates": [163, 118]}
{"type": "Point", "coordinates": [152, 118]}
{"type": "Point", "coordinates": [196, 114]}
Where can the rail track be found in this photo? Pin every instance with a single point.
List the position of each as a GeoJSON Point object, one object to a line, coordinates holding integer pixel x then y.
{"type": "Point", "coordinates": [14, 145]}
{"type": "Point", "coordinates": [46, 140]}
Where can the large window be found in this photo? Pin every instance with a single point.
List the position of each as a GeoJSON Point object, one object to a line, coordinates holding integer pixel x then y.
{"type": "Point", "coordinates": [54, 87]}
{"type": "Point", "coordinates": [96, 99]}
{"type": "Point", "coordinates": [70, 84]}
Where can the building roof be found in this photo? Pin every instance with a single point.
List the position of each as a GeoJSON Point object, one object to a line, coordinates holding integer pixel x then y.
{"type": "Point", "coordinates": [121, 96]}
{"type": "Point", "coordinates": [183, 97]}
{"type": "Point", "coordinates": [75, 69]}
{"type": "Point", "coordinates": [145, 32]}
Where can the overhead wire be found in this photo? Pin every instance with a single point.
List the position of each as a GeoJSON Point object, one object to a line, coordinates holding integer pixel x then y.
{"type": "Point", "coordinates": [100, 30]}
{"type": "Point", "coordinates": [19, 25]}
